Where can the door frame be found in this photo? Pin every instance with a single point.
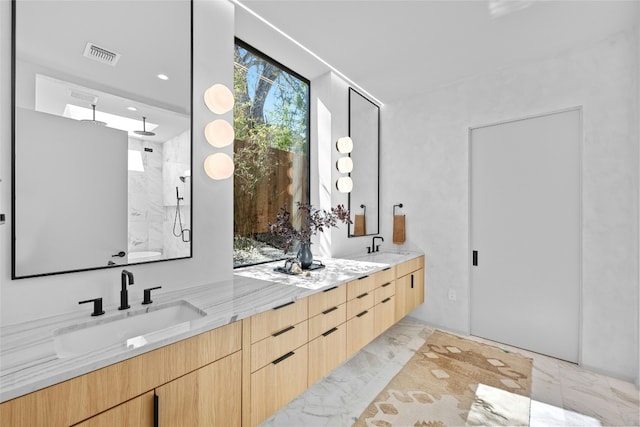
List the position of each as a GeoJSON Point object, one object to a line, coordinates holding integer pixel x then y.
{"type": "Point", "coordinates": [579, 109]}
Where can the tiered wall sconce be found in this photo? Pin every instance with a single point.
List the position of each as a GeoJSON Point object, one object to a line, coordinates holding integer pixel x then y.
{"type": "Point", "coordinates": [219, 133]}
{"type": "Point", "coordinates": [344, 184]}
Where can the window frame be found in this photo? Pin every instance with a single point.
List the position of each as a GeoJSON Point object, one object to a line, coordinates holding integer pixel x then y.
{"type": "Point", "coordinates": [244, 45]}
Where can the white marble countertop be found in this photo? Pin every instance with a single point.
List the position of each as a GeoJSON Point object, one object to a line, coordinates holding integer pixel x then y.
{"type": "Point", "coordinates": [28, 358]}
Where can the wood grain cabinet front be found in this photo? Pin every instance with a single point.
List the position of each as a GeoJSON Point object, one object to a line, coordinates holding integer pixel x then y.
{"type": "Point", "coordinates": [209, 396]}
{"type": "Point", "coordinates": [409, 287]}
{"type": "Point", "coordinates": [384, 314]}
{"type": "Point", "coordinates": [138, 412]}
{"type": "Point", "coordinates": [122, 390]}
{"type": "Point", "coordinates": [277, 384]}
{"type": "Point", "coordinates": [327, 352]}
{"type": "Point", "coordinates": [360, 331]}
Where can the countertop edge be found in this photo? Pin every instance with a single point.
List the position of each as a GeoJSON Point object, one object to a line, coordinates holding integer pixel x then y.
{"type": "Point", "coordinates": [55, 370]}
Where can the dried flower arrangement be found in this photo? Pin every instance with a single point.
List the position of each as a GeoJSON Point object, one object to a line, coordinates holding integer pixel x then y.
{"type": "Point", "coordinates": [316, 220]}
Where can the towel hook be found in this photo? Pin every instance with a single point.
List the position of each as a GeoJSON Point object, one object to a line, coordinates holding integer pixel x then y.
{"type": "Point", "coordinates": [394, 207]}
{"type": "Point", "coordinates": [365, 210]}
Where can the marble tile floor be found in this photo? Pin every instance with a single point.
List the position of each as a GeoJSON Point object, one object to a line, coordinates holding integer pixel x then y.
{"type": "Point", "coordinates": [562, 394]}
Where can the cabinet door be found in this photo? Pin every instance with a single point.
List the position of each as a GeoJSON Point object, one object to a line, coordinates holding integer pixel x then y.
{"type": "Point", "coordinates": [137, 412]}
{"type": "Point", "coordinates": [409, 293]}
{"type": "Point", "coordinates": [384, 314]}
{"type": "Point", "coordinates": [360, 331]}
{"type": "Point", "coordinates": [327, 352]}
{"type": "Point", "coordinates": [403, 287]}
{"type": "Point", "coordinates": [209, 396]}
{"type": "Point", "coordinates": [416, 290]}
{"type": "Point", "coordinates": [277, 384]}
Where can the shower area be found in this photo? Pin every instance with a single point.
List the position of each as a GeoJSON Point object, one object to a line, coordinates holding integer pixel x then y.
{"type": "Point", "coordinates": [159, 198]}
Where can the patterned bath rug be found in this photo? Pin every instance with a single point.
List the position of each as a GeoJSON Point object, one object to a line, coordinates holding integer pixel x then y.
{"type": "Point", "coordinates": [452, 381]}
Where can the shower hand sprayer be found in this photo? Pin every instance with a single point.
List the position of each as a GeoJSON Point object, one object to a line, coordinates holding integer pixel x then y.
{"type": "Point", "coordinates": [183, 233]}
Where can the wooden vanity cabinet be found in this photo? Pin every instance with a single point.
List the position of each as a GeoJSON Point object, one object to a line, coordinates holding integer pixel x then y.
{"type": "Point", "coordinates": [409, 286]}
{"type": "Point", "coordinates": [208, 396]}
{"type": "Point", "coordinates": [138, 411]}
{"type": "Point", "coordinates": [327, 332]}
{"type": "Point", "coordinates": [125, 390]}
{"type": "Point", "coordinates": [275, 360]}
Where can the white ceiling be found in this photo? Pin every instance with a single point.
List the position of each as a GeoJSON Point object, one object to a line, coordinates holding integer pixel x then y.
{"type": "Point", "coordinates": [395, 48]}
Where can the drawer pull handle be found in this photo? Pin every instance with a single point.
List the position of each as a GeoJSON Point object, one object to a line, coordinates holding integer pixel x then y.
{"type": "Point", "coordinates": [385, 269]}
{"type": "Point", "coordinates": [329, 332]}
{"type": "Point", "coordinates": [156, 409]}
{"type": "Point", "coordinates": [287, 329]}
{"type": "Point", "coordinates": [284, 305]}
{"type": "Point", "coordinates": [280, 359]}
{"type": "Point", "coordinates": [362, 314]}
{"type": "Point", "coordinates": [330, 310]}
{"type": "Point", "coordinates": [330, 289]}
{"type": "Point", "coordinates": [363, 277]}
{"type": "Point", "coordinates": [362, 296]}
{"type": "Point", "coordinates": [386, 300]}
{"type": "Point", "coordinates": [412, 281]}
{"type": "Point", "coordinates": [385, 285]}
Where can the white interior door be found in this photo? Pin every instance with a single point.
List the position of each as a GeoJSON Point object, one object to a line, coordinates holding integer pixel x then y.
{"type": "Point", "coordinates": [525, 231]}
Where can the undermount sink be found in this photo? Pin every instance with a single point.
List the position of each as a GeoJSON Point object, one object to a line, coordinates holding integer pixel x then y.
{"type": "Point", "coordinates": [131, 329]}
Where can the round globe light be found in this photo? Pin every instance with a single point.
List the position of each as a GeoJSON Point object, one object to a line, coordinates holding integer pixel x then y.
{"type": "Point", "coordinates": [219, 133]}
{"type": "Point", "coordinates": [344, 145]}
{"type": "Point", "coordinates": [218, 166]}
{"type": "Point", "coordinates": [344, 165]}
{"type": "Point", "coordinates": [344, 184]}
{"type": "Point", "coordinates": [219, 99]}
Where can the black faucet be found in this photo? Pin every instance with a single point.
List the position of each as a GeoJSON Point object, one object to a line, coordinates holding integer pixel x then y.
{"type": "Point", "coordinates": [124, 293]}
{"type": "Point", "coordinates": [373, 247]}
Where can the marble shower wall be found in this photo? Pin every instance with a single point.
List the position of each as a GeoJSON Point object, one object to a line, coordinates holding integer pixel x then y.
{"type": "Point", "coordinates": [426, 166]}
{"type": "Point", "coordinates": [176, 162]}
{"type": "Point", "coordinates": [145, 199]}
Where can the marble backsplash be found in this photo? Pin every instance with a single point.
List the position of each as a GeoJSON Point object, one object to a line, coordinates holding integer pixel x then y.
{"type": "Point", "coordinates": [153, 195]}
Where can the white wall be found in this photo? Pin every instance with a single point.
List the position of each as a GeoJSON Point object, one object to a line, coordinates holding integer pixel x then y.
{"type": "Point", "coordinates": [425, 154]}
{"type": "Point", "coordinates": [25, 299]}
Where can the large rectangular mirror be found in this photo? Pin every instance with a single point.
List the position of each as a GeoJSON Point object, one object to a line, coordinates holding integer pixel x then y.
{"type": "Point", "coordinates": [101, 134]}
{"type": "Point", "coordinates": [364, 131]}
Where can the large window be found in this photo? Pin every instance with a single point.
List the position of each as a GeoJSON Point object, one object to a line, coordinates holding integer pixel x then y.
{"type": "Point", "coordinates": [271, 151]}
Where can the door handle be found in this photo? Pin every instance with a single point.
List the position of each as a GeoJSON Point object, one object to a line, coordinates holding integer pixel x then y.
{"type": "Point", "coordinates": [475, 257]}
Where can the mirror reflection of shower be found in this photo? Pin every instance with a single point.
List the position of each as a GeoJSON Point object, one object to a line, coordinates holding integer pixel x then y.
{"type": "Point", "coordinates": [179, 230]}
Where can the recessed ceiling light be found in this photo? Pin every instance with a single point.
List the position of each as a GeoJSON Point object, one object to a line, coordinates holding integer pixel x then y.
{"type": "Point", "coordinates": [132, 109]}
{"type": "Point", "coordinates": [163, 77]}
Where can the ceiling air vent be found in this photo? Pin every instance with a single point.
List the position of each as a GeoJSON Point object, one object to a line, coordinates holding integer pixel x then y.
{"type": "Point", "coordinates": [84, 96]}
{"type": "Point", "coordinates": [101, 54]}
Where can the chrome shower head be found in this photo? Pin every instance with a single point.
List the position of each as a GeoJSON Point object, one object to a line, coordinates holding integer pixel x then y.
{"type": "Point", "coordinates": [93, 120]}
{"type": "Point", "coordinates": [144, 131]}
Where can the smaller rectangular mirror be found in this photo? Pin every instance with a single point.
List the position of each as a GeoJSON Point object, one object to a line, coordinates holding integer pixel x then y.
{"type": "Point", "coordinates": [364, 131]}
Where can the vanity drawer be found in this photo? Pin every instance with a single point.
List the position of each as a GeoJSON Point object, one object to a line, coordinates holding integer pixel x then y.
{"type": "Point", "coordinates": [409, 266]}
{"type": "Point", "coordinates": [384, 276]}
{"type": "Point", "coordinates": [360, 331]}
{"type": "Point", "coordinates": [278, 344]}
{"type": "Point", "coordinates": [359, 304]}
{"type": "Point", "coordinates": [326, 320]}
{"type": "Point", "coordinates": [360, 286]}
{"type": "Point", "coordinates": [269, 322]}
{"type": "Point", "coordinates": [277, 384]}
{"type": "Point", "coordinates": [326, 299]}
{"type": "Point", "coordinates": [385, 314]}
{"type": "Point", "coordinates": [385, 291]}
{"type": "Point", "coordinates": [327, 352]}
